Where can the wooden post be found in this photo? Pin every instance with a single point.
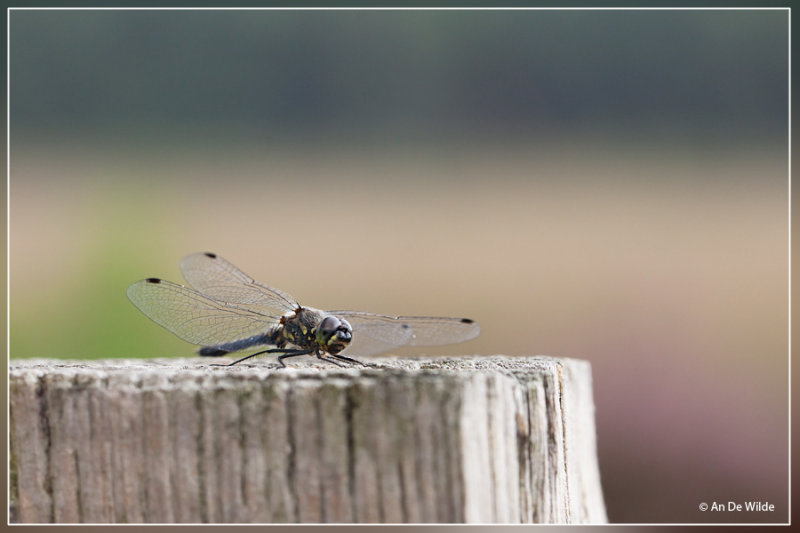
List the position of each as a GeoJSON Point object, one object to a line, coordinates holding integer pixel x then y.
{"type": "Point", "coordinates": [474, 439]}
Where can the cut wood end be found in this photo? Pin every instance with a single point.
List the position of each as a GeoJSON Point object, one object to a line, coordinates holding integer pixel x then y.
{"type": "Point", "coordinates": [265, 365]}
{"type": "Point", "coordinates": [200, 372]}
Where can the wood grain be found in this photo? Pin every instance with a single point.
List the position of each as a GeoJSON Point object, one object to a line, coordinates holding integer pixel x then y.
{"type": "Point", "coordinates": [450, 440]}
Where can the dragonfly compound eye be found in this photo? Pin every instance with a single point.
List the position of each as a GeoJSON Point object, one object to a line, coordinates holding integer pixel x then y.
{"type": "Point", "coordinates": [334, 334]}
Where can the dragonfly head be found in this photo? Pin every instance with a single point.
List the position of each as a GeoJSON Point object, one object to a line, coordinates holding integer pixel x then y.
{"type": "Point", "coordinates": [334, 334]}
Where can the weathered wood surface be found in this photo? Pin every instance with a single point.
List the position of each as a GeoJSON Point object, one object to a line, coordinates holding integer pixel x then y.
{"type": "Point", "coordinates": [478, 439]}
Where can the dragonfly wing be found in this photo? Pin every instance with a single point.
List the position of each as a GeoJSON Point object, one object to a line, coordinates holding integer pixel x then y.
{"type": "Point", "coordinates": [219, 280]}
{"type": "Point", "coordinates": [194, 317]}
{"type": "Point", "coordinates": [374, 334]}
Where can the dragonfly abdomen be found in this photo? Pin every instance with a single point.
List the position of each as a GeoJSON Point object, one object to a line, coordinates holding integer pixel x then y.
{"type": "Point", "coordinates": [241, 344]}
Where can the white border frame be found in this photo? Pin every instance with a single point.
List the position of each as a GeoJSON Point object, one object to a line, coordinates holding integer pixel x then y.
{"type": "Point", "coordinates": [9, 10]}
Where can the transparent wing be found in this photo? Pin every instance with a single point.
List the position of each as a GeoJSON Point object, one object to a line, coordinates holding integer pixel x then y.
{"type": "Point", "coordinates": [193, 317]}
{"type": "Point", "coordinates": [374, 334]}
{"type": "Point", "coordinates": [219, 280]}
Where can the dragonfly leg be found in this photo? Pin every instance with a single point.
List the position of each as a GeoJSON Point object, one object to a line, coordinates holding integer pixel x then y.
{"type": "Point", "coordinates": [286, 353]}
{"type": "Point", "coordinates": [331, 361]}
{"type": "Point", "coordinates": [349, 359]}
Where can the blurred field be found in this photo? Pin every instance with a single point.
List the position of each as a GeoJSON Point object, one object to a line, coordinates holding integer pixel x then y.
{"type": "Point", "coordinates": [536, 244]}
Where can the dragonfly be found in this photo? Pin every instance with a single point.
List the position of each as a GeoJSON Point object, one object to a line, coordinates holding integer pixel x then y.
{"type": "Point", "coordinates": [226, 311]}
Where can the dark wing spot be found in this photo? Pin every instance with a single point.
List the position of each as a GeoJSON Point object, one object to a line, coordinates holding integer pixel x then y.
{"type": "Point", "coordinates": [153, 280]}
{"type": "Point", "coordinates": [405, 326]}
{"type": "Point", "coordinates": [467, 320]}
{"type": "Point", "coordinates": [212, 256]}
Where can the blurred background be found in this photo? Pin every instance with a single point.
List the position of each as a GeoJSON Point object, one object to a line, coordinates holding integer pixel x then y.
{"type": "Point", "coordinates": [603, 185]}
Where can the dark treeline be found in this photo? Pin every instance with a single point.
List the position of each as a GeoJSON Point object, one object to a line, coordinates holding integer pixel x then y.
{"type": "Point", "coordinates": [290, 69]}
